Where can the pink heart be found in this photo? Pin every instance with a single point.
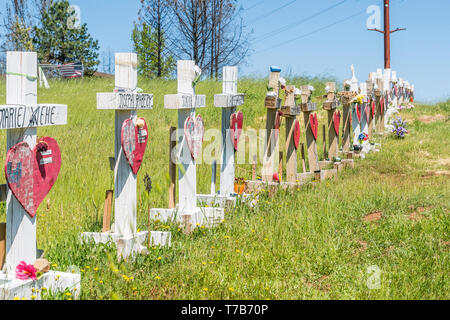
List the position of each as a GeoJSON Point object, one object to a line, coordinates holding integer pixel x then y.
{"type": "Point", "coordinates": [30, 174]}
{"type": "Point", "coordinates": [314, 123]}
{"type": "Point", "coordinates": [134, 142]}
{"type": "Point", "coordinates": [277, 123]}
{"type": "Point", "coordinates": [296, 133]}
{"type": "Point", "coordinates": [337, 121]}
{"type": "Point", "coordinates": [358, 112]}
{"type": "Point", "coordinates": [194, 131]}
{"type": "Point", "coordinates": [236, 122]}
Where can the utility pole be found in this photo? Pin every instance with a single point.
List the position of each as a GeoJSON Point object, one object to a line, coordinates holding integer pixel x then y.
{"type": "Point", "coordinates": [387, 35]}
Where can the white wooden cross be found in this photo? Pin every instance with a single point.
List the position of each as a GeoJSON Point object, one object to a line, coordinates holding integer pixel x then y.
{"type": "Point", "coordinates": [228, 100]}
{"type": "Point", "coordinates": [356, 128]}
{"type": "Point", "coordinates": [186, 101]}
{"type": "Point", "coordinates": [125, 101]}
{"type": "Point", "coordinates": [20, 117]}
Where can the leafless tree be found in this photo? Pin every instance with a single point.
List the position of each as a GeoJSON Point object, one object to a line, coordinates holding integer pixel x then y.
{"type": "Point", "coordinates": [210, 32]}
{"type": "Point", "coordinates": [18, 21]}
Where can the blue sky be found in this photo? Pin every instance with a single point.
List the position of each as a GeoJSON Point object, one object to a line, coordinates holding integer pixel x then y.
{"type": "Point", "coordinates": [421, 54]}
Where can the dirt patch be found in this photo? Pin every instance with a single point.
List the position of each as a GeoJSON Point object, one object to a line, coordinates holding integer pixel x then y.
{"type": "Point", "coordinates": [374, 216]}
{"type": "Point", "coordinates": [361, 249]}
{"type": "Point", "coordinates": [417, 214]}
{"type": "Point", "coordinates": [431, 119]}
{"type": "Point", "coordinates": [437, 173]}
{"type": "Point", "coordinates": [445, 162]}
{"type": "Point", "coordinates": [320, 284]}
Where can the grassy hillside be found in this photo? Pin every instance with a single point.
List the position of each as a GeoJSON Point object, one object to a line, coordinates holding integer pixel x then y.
{"type": "Point", "coordinates": [314, 243]}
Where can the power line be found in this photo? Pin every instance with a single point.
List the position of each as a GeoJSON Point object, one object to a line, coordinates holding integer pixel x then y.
{"type": "Point", "coordinates": [273, 11]}
{"type": "Point", "coordinates": [289, 26]}
{"type": "Point", "coordinates": [313, 32]}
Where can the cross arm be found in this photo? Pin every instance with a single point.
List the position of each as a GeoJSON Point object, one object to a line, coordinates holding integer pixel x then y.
{"type": "Point", "coordinates": [398, 29]}
{"type": "Point", "coordinates": [378, 30]}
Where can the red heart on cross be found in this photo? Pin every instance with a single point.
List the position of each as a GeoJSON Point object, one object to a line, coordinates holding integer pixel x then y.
{"type": "Point", "coordinates": [358, 111]}
{"type": "Point", "coordinates": [367, 110]}
{"type": "Point", "coordinates": [337, 121]}
{"type": "Point", "coordinates": [296, 133]}
{"type": "Point", "coordinates": [194, 130]}
{"type": "Point", "coordinates": [314, 124]}
{"type": "Point", "coordinates": [30, 174]}
{"type": "Point", "coordinates": [277, 123]}
{"type": "Point", "coordinates": [134, 137]}
{"type": "Point", "coordinates": [236, 123]}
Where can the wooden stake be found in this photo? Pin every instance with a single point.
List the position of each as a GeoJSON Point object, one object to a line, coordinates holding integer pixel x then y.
{"type": "Point", "coordinates": [303, 157]}
{"type": "Point", "coordinates": [2, 244]}
{"type": "Point", "coordinates": [324, 128]}
{"type": "Point", "coordinates": [346, 126]}
{"type": "Point", "coordinates": [291, 152]}
{"type": "Point", "coordinates": [280, 167]}
{"type": "Point", "coordinates": [107, 211]}
{"type": "Point", "coordinates": [187, 224]}
{"type": "Point", "coordinates": [254, 168]}
{"type": "Point", "coordinates": [172, 170]}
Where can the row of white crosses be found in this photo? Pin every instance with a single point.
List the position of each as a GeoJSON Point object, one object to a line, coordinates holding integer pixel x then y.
{"type": "Point", "coordinates": [20, 117]}
{"type": "Point", "coordinates": [125, 101]}
{"type": "Point", "coordinates": [186, 101]}
{"type": "Point", "coordinates": [386, 92]}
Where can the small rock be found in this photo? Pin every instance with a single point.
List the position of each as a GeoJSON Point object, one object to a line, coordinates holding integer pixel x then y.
{"type": "Point", "coordinates": [42, 265]}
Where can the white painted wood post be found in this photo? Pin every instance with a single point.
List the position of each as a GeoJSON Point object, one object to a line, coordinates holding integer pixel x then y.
{"type": "Point", "coordinates": [21, 89]}
{"type": "Point", "coordinates": [364, 119]}
{"type": "Point", "coordinates": [356, 129]}
{"type": "Point", "coordinates": [230, 95]}
{"type": "Point", "coordinates": [186, 101]}
{"type": "Point", "coordinates": [125, 180]}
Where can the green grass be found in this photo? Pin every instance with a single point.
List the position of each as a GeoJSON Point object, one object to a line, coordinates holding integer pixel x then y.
{"type": "Point", "coordinates": [309, 244]}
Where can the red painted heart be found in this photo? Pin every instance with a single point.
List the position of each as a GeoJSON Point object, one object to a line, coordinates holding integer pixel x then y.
{"type": "Point", "coordinates": [358, 111]}
{"type": "Point", "coordinates": [314, 124]}
{"type": "Point", "coordinates": [296, 133]}
{"type": "Point", "coordinates": [277, 123]}
{"type": "Point", "coordinates": [193, 132]}
{"type": "Point", "coordinates": [337, 121]}
{"type": "Point", "coordinates": [236, 123]}
{"type": "Point", "coordinates": [134, 137]}
{"type": "Point", "coordinates": [30, 174]}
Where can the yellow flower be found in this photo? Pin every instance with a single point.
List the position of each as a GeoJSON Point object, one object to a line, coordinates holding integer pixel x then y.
{"type": "Point", "coordinates": [68, 294]}
{"type": "Point", "coordinates": [157, 278]}
{"type": "Point", "coordinates": [82, 270]}
{"type": "Point", "coordinates": [16, 298]}
{"type": "Point", "coordinates": [231, 289]}
{"type": "Point", "coordinates": [125, 278]}
{"type": "Point", "coordinates": [211, 262]}
{"type": "Point", "coordinates": [238, 251]}
{"type": "Point", "coordinates": [205, 289]}
{"type": "Point", "coordinates": [134, 289]}
{"type": "Point", "coordinates": [44, 288]}
{"type": "Point", "coordinates": [54, 265]}
{"type": "Point", "coordinates": [138, 230]}
{"type": "Point", "coordinates": [159, 258]}
{"type": "Point", "coordinates": [33, 297]}
{"type": "Point", "coordinates": [227, 237]}
{"type": "Point", "coordinates": [95, 269]}
{"type": "Point", "coordinates": [101, 281]}
{"type": "Point", "coordinates": [204, 263]}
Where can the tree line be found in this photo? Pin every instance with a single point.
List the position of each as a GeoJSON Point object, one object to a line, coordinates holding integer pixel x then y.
{"type": "Point", "coordinates": [211, 32]}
